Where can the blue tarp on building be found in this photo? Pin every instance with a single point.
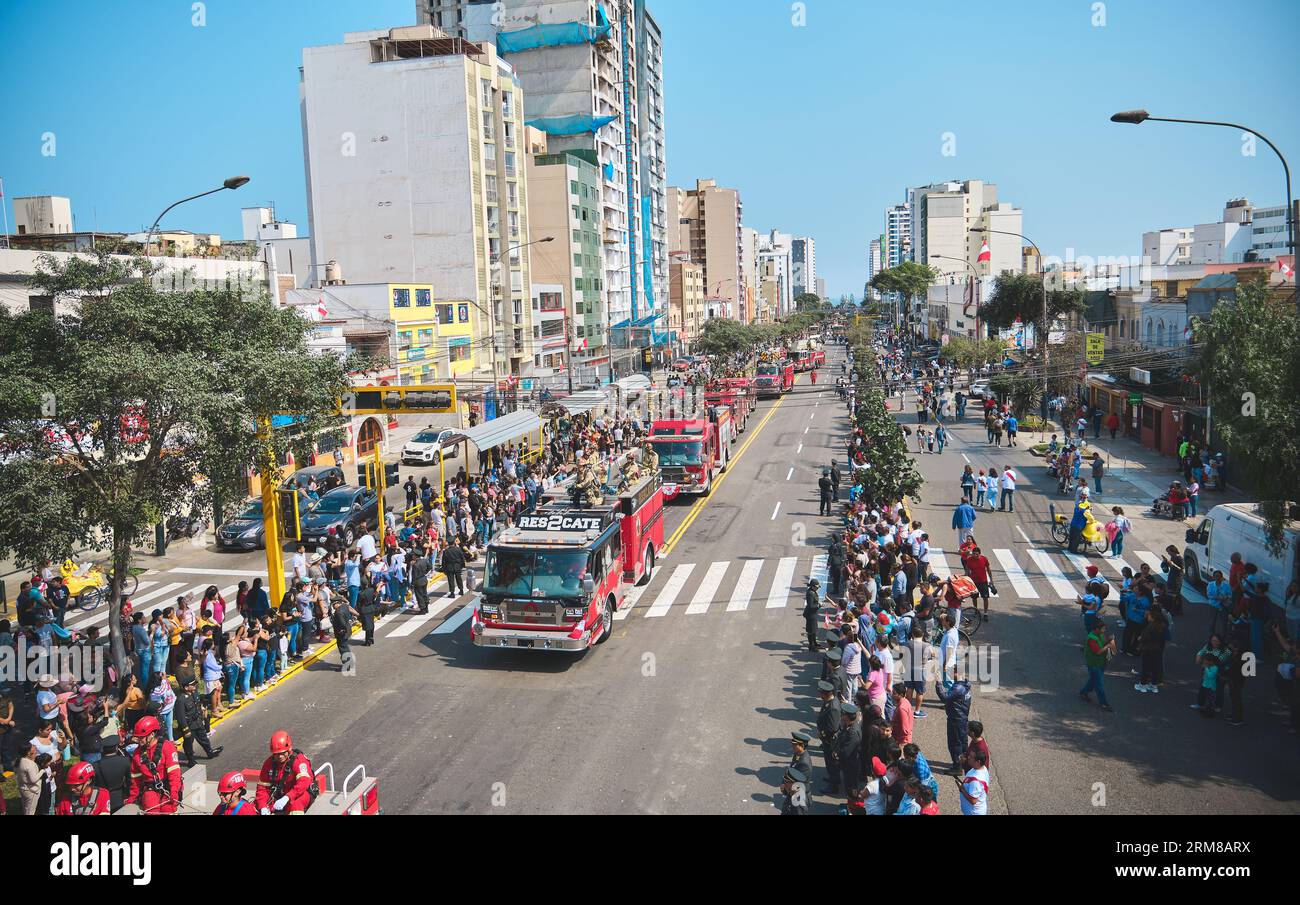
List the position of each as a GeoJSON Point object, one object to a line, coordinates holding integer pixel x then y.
{"type": "Point", "coordinates": [554, 35]}
{"type": "Point", "coordinates": [575, 124]}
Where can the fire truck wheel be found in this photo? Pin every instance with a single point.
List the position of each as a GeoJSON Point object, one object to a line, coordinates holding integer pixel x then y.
{"type": "Point", "coordinates": [726, 457]}
{"type": "Point", "coordinates": [649, 564]}
{"type": "Point", "coordinates": [607, 621]}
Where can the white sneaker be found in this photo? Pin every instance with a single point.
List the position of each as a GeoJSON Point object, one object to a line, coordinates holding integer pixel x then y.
{"type": "Point", "coordinates": [1140, 687]}
{"type": "Point", "coordinates": [1196, 706]}
{"type": "Point", "coordinates": [1154, 689]}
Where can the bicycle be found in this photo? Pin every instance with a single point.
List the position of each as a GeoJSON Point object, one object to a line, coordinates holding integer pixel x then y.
{"type": "Point", "coordinates": [88, 586]}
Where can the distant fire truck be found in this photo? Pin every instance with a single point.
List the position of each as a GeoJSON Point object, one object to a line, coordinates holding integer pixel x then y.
{"type": "Point", "coordinates": [774, 378]}
{"type": "Point", "coordinates": [809, 355]}
{"type": "Point", "coordinates": [555, 579]}
{"type": "Point", "coordinates": [693, 451]}
{"type": "Point", "coordinates": [736, 392]}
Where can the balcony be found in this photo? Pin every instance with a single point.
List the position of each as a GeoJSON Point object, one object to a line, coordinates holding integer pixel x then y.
{"type": "Point", "coordinates": [491, 196]}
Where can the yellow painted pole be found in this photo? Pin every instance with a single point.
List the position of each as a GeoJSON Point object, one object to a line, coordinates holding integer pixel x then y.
{"type": "Point", "coordinates": [379, 488]}
{"type": "Point", "coordinates": [270, 475]}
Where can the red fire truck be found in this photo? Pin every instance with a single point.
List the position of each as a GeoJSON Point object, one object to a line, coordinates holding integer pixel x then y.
{"type": "Point", "coordinates": [736, 392]}
{"type": "Point", "coordinates": [693, 451]}
{"type": "Point", "coordinates": [774, 378]}
{"type": "Point", "coordinates": [555, 580]}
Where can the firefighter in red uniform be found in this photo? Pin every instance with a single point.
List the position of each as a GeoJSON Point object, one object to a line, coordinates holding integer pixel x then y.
{"type": "Point", "coordinates": [84, 800]}
{"type": "Point", "coordinates": [155, 771]}
{"type": "Point", "coordinates": [285, 783]}
{"type": "Point", "coordinates": [814, 376]}
{"type": "Point", "coordinates": [231, 789]}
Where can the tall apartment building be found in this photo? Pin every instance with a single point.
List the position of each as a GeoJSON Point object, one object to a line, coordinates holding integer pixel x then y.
{"type": "Point", "coordinates": [564, 203]}
{"type": "Point", "coordinates": [412, 140]}
{"type": "Point", "coordinates": [874, 264]}
{"type": "Point", "coordinates": [749, 269]}
{"type": "Point", "coordinates": [775, 248]}
{"type": "Point", "coordinates": [593, 78]}
{"type": "Point", "coordinates": [706, 222]}
{"type": "Point", "coordinates": [686, 299]}
{"type": "Point", "coordinates": [803, 264]}
{"type": "Point", "coordinates": [898, 234]}
{"type": "Point", "coordinates": [944, 216]}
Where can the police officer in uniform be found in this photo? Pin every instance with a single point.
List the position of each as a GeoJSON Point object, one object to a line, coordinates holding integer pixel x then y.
{"type": "Point", "coordinates": [828, 728]}
{"type": "Point", "coordinates": [824, 485]}
{"type": "Point", "coordinates": [812, 608]}
{"type": "Point", "coordinates": [420, 570]}
{"type": "Point", "coordinates": [795, 790]}
{"type": "Point", "coordinates": [849, 750]}
{"type": "Point", "coordinates": [801, 760]}
{"type": "Point", "coordinates": [831, 670]}
{"type": "Point", "coordinates": [835, 481]}
{"type": "Point", "coordinates": [193, 722]}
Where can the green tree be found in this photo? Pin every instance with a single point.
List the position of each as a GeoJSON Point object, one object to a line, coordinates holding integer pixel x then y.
{"type": "Point", "coordinates": [140, 403]}
{"type": "Point", "coordinates": [808, 301]}
{"type": "Point", "coordinates": [723, 337]}
{"type": "Point", "coordinates": [1249, 362]}
{"type": "Point", "coordinates": [1020, 296]}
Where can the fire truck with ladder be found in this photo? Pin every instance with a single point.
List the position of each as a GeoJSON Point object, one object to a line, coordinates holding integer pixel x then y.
{"type": "Point", "coordinates": [693, 451]}
{"type": "Point", "coordinates": [555, 579]}
{"type": "Point", "coordinates": [739, 394]}
{"type": "Point", "coordinates": [774, 378]}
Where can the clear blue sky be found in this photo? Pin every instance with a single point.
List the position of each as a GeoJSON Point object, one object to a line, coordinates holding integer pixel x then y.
{"type": "Point", "coordinates": [820, 126]}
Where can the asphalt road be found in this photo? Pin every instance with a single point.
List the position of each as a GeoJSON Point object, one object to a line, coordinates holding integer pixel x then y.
{"type": "Point", "coordinates": [689, 706]}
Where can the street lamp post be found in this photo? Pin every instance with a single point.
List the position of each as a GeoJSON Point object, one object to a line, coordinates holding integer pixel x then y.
{"type": "Point", "coordinates": [492, 329]}
{"type": "Point", "coordinates": [1138, 117]}
{"type": "Point", "coordinates": [1038, 251]}
{"type": "Point", "coordinates": [232, 183]}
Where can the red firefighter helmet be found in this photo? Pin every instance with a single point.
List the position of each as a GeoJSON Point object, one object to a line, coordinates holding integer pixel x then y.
{"type": "Point", "coordinates": [80, 773]}
{"type": "Point", "coordinates": [232, 782]}
{"type": "Point", "coordinates": [144, 726]}
{"type": "Point", "coordinates": [281, 742]}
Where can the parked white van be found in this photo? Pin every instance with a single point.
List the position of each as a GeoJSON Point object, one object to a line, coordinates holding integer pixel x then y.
{"type": "Point", "coordinates": [1238, 528]}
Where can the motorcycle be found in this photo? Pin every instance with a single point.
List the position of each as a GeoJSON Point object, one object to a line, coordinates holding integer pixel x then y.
{"type": "Point", "coordinates": [1162, 508]}
{"type": "Point", "coordinates": [179, 526]}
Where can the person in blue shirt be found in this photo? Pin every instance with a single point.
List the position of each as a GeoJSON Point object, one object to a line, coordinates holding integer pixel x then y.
{"type": "Point", "coordinates": [1134, 604]}
{"type": "Point", "coordinates": [1012, 426]}
{"type": "Point", "coordinates": [352, 577]}
{"type": "Point", "coordinates": [1079, 520]}
{"type": "Point", "coordinates": [963, 520]}
{"type": "Point", "coordinates": [1218, 594]}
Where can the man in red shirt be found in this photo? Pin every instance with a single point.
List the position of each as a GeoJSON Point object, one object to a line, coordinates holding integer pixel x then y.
{"type": "Point", "coordinates": [904, 717]}
{"type": "Point", "coordinates": [155, 771]}
{"type": "Point", "coordinates": [83, 798]}
{"type": "Point", "coordinates": [977, 566]}
{"type": "Point", "coordinates": [285, 783]}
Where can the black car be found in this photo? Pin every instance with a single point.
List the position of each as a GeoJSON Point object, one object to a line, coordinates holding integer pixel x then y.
{"type": "Point", "coordinates": [245, 530]}
{"type": "Point", "coordinates": [327, 478]}
{"type": "Point", "coordinates": [343, 509]}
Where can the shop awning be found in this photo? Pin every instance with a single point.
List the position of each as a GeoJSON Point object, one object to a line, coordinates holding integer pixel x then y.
{"type": "Point", "coordinates": [635, 383]}
{"type": "Point", "coordinates": [584, 401]}
{"type": "Point", "coordinates": [500, 431]}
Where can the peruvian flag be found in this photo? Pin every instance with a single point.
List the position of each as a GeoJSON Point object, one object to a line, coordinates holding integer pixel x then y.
{"type": "Point", "coordinates": [1285, 268]}
{"type": "Point", "coordinates": [985, 254]}
{"type": "Point", "coordinates": [321, 311]}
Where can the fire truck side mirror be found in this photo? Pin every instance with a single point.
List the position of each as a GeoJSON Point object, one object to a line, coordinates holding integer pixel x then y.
{"type": "Point", "coordinates": [588, 585]}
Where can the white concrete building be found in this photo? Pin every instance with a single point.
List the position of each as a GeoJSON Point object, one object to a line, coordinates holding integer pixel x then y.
{"type": "Point", "coordinates": [412, 141]}
{"type": "Point", "coordinates": [1268, 232]}
{"type": "Point", "coordinates": [898, 235]}
{"type": "Point", "coordinates": [774, 248]}
{"type": "Point", "coordinates": [944, 219]}
{"type": "Point", "coordinates": [1168, 246]}
{"type": "Point", "coordinates": [803, 263]}
{"type": "Point", "coordinates": [874, 263]}
{"type": "Point", "coordinates": [42, 215]}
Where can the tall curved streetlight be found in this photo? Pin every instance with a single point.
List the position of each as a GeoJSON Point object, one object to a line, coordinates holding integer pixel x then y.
{"type": "Point", "coordinates": [232, 183]}
{"type": "Point", "coordinates": [492, 329]}
{"type": "Point", "coordinates": [1137, 117]}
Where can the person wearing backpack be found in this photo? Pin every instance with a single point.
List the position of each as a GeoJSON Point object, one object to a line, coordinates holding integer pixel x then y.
{"type": "Point", "coordinates": [287, 783]}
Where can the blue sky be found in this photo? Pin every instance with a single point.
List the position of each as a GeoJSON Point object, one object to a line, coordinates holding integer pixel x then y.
{"type": "Point", "coordinates": [820, 126]}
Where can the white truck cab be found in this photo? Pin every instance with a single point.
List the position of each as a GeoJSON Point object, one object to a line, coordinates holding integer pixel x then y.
{"type": "Point", "coordinates": [1237, 528]}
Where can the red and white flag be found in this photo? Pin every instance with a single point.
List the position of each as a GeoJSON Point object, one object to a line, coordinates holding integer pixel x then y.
{"type": "Point", "coordinates": [321, 311]}
{"type": "Point", "coordinates": [985, 254]}
{"type": "Point", "coordinates": [1285, 268]}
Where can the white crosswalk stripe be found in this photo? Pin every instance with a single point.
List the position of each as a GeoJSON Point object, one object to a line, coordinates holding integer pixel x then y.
{"type": "Point", "coordinates": [629, 602]}
{"type": "Point", "coordinates": [780, 593]}
{"type": "Point", "coordinates": [821, 571]}
{"type": "Point", "coordinates": [1151, 559]}
{"type": "Point", "coordinates": [709, 587]}
{"type": "Point", "coordinates": [670, 590]}
{"type": "Point", "coordinates": [1016, 574]}
{"type": "Point", "coordinates": [1047, 566]}
{"type": "Point", "coordinates": [411, 625]}
{"type": "Point", "coordinates": [939, 564]}
{"type": "Point", "coordinates": [455, 620]}
{"type": "Point", "coordinates": [745, 586]}
{"type": "Point", "coordinates": [1079, 562]}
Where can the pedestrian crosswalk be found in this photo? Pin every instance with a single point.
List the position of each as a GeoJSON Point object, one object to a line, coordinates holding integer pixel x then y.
{"type": "Point", "coordinates": [706, 588]}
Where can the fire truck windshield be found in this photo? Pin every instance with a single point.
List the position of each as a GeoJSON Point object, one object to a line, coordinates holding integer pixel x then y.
{"type": "Point", "coordinates": [766, 369]}
{"type": "Point", "coordinates": [677, 452]}
{"type": "Point", "coordinates": [535, 573]}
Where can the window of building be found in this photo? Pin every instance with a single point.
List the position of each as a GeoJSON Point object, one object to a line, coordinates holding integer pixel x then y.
{"type": "Point", "coordinates": [489, 126]}
{"type": "Point", "coordinates": [486, 92]}
{"type": "Point", "coordinates": [424, 336]}
{"type": "Point", "coordinates": [462, 313]}
{"type": "Point", "coordinates": [403, 340]}
{"type": "Point", "coordinates": [444, 314]}
{"type": "Point", "coordinates": [401, 298]}
{"type": "Point", "coordinates": [423, 298]}
{"type": "Point", "coordinates": [458, 353]}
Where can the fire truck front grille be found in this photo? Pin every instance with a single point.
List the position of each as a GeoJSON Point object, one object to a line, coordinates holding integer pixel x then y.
{"type": "Point", "coordinates": [540, 613]}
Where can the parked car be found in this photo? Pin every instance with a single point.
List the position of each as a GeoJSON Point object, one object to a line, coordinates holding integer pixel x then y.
{"type": "Point", "coordinates": [343, 509]}
{"type": "Point", "coordinates": [424, 447]}
{"type": "Point", "coordinates": [245, 529]}
{"type": "Point", "coordinates": [979, 389]}
{"type": "Point", "coordinates": [327, 478]}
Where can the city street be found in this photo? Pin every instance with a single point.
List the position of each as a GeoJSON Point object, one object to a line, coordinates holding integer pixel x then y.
{"type": "Point", "coordinates": [689, 706]}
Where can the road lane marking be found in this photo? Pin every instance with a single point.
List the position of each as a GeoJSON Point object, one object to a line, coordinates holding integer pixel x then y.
{"type": "Point", "coordinates": [790, 473]}
{"type": "Point", "coordinates": [745, 586]}
{"type": "Point", "coordinates": [241, 573]}
{"type": "Point", "coordinates": [805, 430]}
{"type": "Point", "coordinates": [775, 511]}
{"type": "Point", "coordinates": [668, 593]}
{"type": "Point", "coordinates": [799, 450]}
{"type": "Point", "coordinates": [704, 593]}
{"type": "Point", "coordinates": [780, 592]}
{"type": "Point", "coordinates": [410, 626]}
{"type": "Point", "coordinates": [812, 415]}
{"type": "Point", "coordinates": [455, 620]}
{"type": "Point", "coordinates": [156, 593]}
{"type": "Point", "coordinates": [1119, 564]}
{"type": "Point", "coordinates": [1055, 577]}
{"type": "Point", "coordinates": [966, 457]}
{"type": "Point", "coordinates": [821, 571]}
{"type": "Point", "coordinates": [1149, 558]}
{"type": "Point", "coordinates": [939, 564]}
{"type": "Point", "coordinates": [1023, 534]}
{"type": "Point", "coordinates": [1015, 573]}
{"type": "Point", "coordinates": [629, 601]}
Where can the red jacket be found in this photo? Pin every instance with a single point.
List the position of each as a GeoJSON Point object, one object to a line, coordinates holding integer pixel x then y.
{"type": "Point", "coordinates": [242, 806]}
{"type": "Point", "coordinates": [293, 779]}
{"type": "Point", "coordinates": [157, 765]}
{"type": "Point", "coordinates": [93, 804]}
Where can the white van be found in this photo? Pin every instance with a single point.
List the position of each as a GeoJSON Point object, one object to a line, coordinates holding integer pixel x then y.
{"type": "Point", "coordinates": [1238, 528]}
